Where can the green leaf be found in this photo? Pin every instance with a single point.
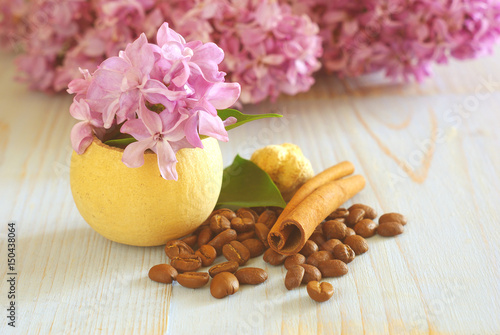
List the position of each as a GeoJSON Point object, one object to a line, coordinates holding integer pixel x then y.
{"type": "Point", "coordinates": [242, 118]}
{"type": "Point", "coordinates": [244, 184]}
{"type": "Point", "coordinates": [120, 142]}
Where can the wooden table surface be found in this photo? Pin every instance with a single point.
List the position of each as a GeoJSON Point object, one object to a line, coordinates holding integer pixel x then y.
{"type": "Point", "coordinates": [430, 151]}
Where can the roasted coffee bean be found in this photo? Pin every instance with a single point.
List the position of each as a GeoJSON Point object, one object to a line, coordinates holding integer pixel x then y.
{"type": "Point", "coordinates": [219, 223]}
{"type": "Point", "coordinates": [366, 228]}
{"type": "Point", "coordinates": [163, 273]}
{"type": "Point", "coordinates": [258, 210]}
{"type": "Point", "coordinates": [339, 213]}
{"type": "Point", "coordinates": [251, 276]}
{"type": "Point", "coordinates": [255, 247]}
{"type": "Point", "coordinates": [370, 213]}
{"type": "Point", "coordinates": [309, 248]}
{"type": "Point", "coordinates": [277, 210]}
{"type": "Point", "coordinates": [357, 243]}
{"type": "Point", "coordinates": [333, 268]}
{"type": "Point", "coordinates": [225, 237]}
{"type": "Point", "coordinates": [389, 229]}
{"type": "Point", "coordinates": [268, 217]}
{"type": "Point", "coordinates": [224, 284]}
{"type": "Point", "coordinates": [245, 236]}
{"type": "Point", "coordinates": [235, 251]}
{"type": "Point", "coordinates": [340, 220]}
{"type": "Point", "coordinates": [344, 253]}
{"type": "Point", "coordinates": [294, 277]}
{"type": "Point", "coordinates": [316, 257]}
{"type": "Point", "coordinates": [334, 229]}
{"type": "Point", "coordinates": [223, 267]}
{"type": "Point", "coordinates": [262, 231]}
{"type": "Point", "coordinates": [354, 217]}
{"type": "Point", "coordinates": [205, 235]}
{"type": "Point", "coordinates": [247, 213]}
{"type": "Point", "coordinates": [242, 225]}
{"type": "Point", "coordinates": [177, 248]}
{"type": "Point", "coordinates": [311, 273]}
{"type": "Point", "coordinates": [193, 279]}
{"type": "Point", "coordinates": [293, 260]}
{"type": "Point", "coordinates": [186, 264]}
{"type": "Point", "coordinates": [349, 232]}
{"type": "Point", "coordinates": [330, 244]}
{"type": "Point", "coordinates": [320, 292]}
{"type": "Point", "coordinates": [273, 258]}
{"type": "Point", "coordinates": [393, 217]}
{"type": "Point", "coordinates": [190, 240]}
{"type": "Point", "coordinates": [207, 254]}
{"type": "Point", "coordinates": [226, 212]}
{"type": "Point", "coordinates": [318, 238]}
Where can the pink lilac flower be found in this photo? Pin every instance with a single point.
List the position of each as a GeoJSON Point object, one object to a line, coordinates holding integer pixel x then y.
{"type": "Point", "coordinates": [402, 38]}
{"type": "Point", "coordinates": [269, 50]}
{"type": "Point", "coordinates": [164, 95]}
{"type": "Point", "coordinates": [163, 133]}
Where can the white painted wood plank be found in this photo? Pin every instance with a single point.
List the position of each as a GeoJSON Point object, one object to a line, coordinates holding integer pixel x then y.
{"type": "Point", "coordinates": [441, 276]}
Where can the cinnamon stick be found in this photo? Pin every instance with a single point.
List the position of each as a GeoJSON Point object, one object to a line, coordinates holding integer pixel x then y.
{"type": "Point", "coordinates": [290, 233]}
{"type": "Point", "coordinates": [335, 172]}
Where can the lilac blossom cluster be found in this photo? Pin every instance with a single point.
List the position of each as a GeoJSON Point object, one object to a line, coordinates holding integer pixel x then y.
{"type": "Point", "coordinates": [401, 37]}
{"type": "Point", "coordinates": [164, 95]}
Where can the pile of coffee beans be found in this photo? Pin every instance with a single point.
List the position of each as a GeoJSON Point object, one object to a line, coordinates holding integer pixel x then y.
{"type": "Point", "coordinates": [242, 235]}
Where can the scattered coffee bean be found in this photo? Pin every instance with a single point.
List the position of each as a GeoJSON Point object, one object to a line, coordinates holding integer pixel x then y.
{"type": "Point", "coordinates": [177, 248]}
{"type": "Point", "coordinates": [163, 273]}
{"type": "Point", "coordinates": [193, 279]}
{"type": "Point", "coordinates": [355, 215]}
{"type": "Point", "coordinates": [332, 268]}
{"type": "Point", "coordinates": [366, 228]}
{"type": "Point", "coordinates": [273, 258]}
{"type": "Point", "coordinates": [205, 236]}
{"type": "Point", "coordinates": [309, 248]}
{"type": "Point", "coordinates": [293, 260]}
{"type": "Point", "coordinates": [207, 254]}
{"type": "Point", "coordinates": [294, 277]}
{"type": "Point", "coordinates": [262, 231]}
{"type": "Point", "coordinates": [370, 213]}
{"type": "Point", "coordinates": [330, 244]}
{"type": "Point", "coordinates": [247, 213]}
{"type": "Point", "coordinates": [258, 210]}
{"type": "Point", "coordinates": [311, 273]}
{"type": "Point", "coordinates": [226, 212]}
{"type": "Point", "coordinates": [318, 238]}
{"type": "Point", "coordinates": [186, 264]}
{"type": "Point", "coordinates": [320, 292]}
{"type": "Point", "coordinates": [235, 251]}
{"type": "Point", "coordinates": [357, 243]}
{"type": "Point", "coordinates": [245, 236]}
{"type": "Point", "coordinates": [219, 223]}
{"type": "Point", "coordinates": [389, 229]}
{"type": "Point", "coordinates": [242, 225]}
{"type": "Point", "coordinates": [224, 284]}
{"type": "Point", "coordinates": [344, 253]}
{"type": "Point", "coordinates": [251, 276]}
{"type": "Point", "coordinates": [225, 237]}
{"type": "Point", "coordinates": [349, 232]}
{"type": "Point", "coordinates": [334, 229]}
{"type": "Point", "coordinates": [190, 240]}
{"type": "Point", "coordinates": [255, 247]}
{"type": "Point", "coordinates": [393, 217]}
{"type": "Point", "coordinates": [316, 257]}
{"type": "Point", "coordinates": [339, 213]}
{"type": "Point", "coordinates": [268, 217]}
{"type": "Point", "coordinates": [230, 266]}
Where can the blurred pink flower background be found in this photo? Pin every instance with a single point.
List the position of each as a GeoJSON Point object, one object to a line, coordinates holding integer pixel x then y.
{"type": "Point", "coordinates": [271, 47]}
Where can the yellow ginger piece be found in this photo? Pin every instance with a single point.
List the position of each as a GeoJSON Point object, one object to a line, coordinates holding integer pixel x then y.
{"type": "Point", "coordinates": [286, 165]}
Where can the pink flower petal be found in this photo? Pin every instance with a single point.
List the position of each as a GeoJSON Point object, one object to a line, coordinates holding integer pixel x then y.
{"type": "Point", "coordinates": [133, 155]}
{"type": "Point", "coordinates": [224, 95]}
{"type": "Point", "coordinates": [166, 160]}
{"type": "Point", "coordinates": [81, 137]}
{"type": "Point", "coordinates": [212, 126]}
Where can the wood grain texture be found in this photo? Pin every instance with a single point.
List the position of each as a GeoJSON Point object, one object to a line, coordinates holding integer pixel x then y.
{"type": "Point", "coordinates": [430, 151]}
